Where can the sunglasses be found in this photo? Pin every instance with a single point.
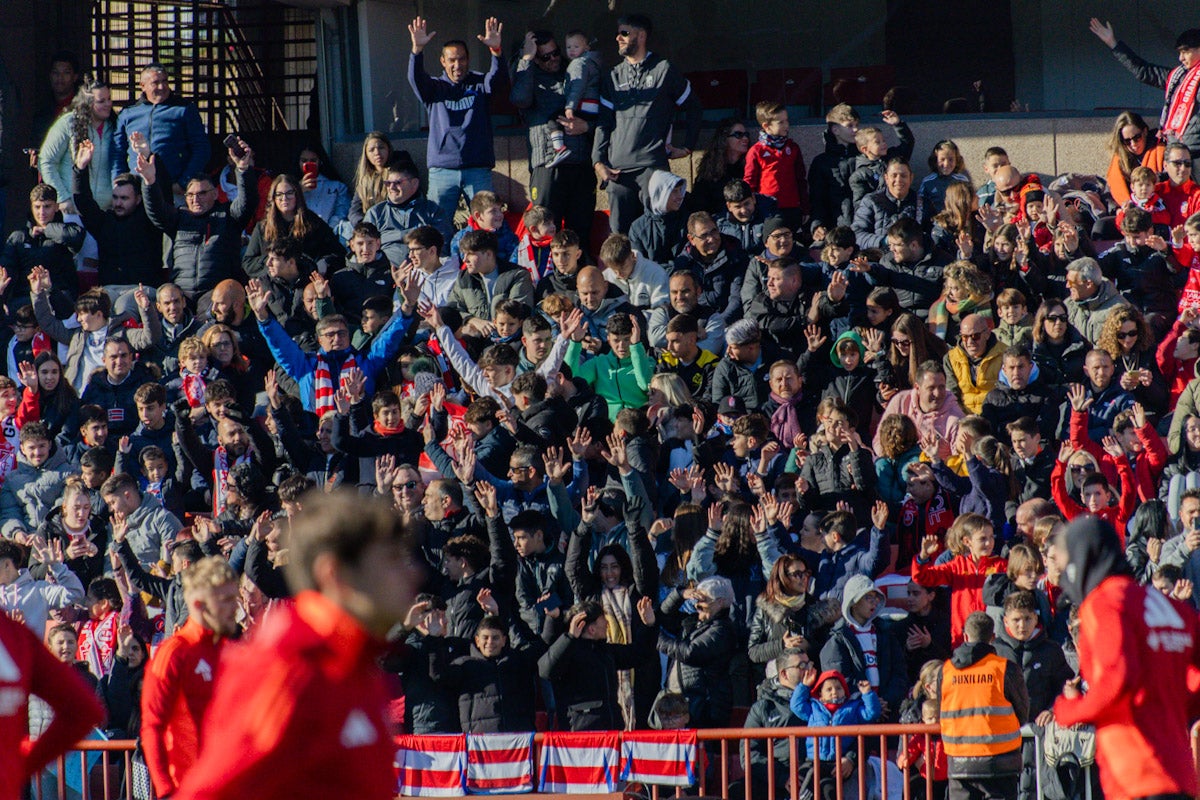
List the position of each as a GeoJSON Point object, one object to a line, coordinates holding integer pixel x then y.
{"type": "Point", "coordinates": [553, 54]}
{"type": "Point", "coordinates": [1137, 137]}
{"type": "Point", "coordinates": [624, 33]}
{"type": "Point", "coordinates": [972, 337]}
{"type": "Point", "coordinates": [1179, 162]}
{"type": "Point", "coordinates": [1127, 334]}
{"type": "Point", "coordinates": [739, 135]}
{"type": "Point", "coordinates": [799, 573]}
{"type": "Point", "coordinates": [902, 342]}
{"type": "Point", "coordinates": [1079, 469]}
{"type": "Point", "coordinates": [406, 485]}
{"type": "Point", "coordinates": [1056, 318]}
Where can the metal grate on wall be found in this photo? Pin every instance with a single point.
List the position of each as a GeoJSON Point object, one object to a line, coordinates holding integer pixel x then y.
{"type": "Point", "coordinates": [249, 66]}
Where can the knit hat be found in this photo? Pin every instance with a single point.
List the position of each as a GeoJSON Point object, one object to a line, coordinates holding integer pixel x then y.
{"type": "Point", "coordinates": [773, 224]}
{"type": "Point", "coordinates": [1188, 39]}
{"type": "Point", "coordinates": [831, 675]}
{"type": "Point", "coordinates": [744, 331]}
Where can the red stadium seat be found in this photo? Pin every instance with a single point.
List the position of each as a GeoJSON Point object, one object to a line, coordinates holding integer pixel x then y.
{"type": "Point", "coordinates": [721, 91]}
{"type": "Point", "coordinates": [792, 86]}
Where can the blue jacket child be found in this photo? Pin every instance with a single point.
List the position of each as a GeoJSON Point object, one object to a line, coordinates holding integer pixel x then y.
{"type": "Point", "coordinates": [831, 707]}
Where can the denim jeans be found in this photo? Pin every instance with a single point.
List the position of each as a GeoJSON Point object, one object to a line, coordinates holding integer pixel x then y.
{"type": "Point", "coordinates": [445, 185]}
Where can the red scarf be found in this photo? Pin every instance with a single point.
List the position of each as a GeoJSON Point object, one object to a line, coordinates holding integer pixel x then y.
{"type": "Point", "coordinates": [384, 431]}
{"type": "Point", "coordinates": [323, 390]}
{"type": "Point", "coordinates": [193, 388]}
{"type": "Point", "coordinates": [98, 643]}
{"type": "Point", "coordinates": [1180, 103]}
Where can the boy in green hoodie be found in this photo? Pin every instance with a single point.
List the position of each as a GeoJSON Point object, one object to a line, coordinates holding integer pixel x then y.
{"type": "Point", "coordinates": [622, 375]}
{"type": "Point", "coordinates": [852, 380]}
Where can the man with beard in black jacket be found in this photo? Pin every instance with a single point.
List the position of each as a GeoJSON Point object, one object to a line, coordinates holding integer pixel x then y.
{"type": "Point", "coordinates": [782, 315]}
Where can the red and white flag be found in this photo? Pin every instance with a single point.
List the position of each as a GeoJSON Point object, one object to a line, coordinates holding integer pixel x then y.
{"type": "Point", "coordinates": [579, 763]}
{"type": "Point", "coordinates": [499, 763]}
{"type": "Point", "coordinates": [431, 766]}
{"type": "Point", "coordinates": [662, 758]}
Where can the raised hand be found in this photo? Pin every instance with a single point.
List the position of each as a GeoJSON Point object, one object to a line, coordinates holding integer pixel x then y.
{"type": "Point", "coordinates": [355, 383]}
{"type": "Point", "coordinates": [465, 469]}
{"type": "Point", "coordinates": [645, 609]}
{"type": "Point", "coordinates": [578, 623]}
{"type": "Point", "coordinates": [966, 245]}
{"type": "Point", "coordinates": [616, 454]}
{"type": "Point", "coordinates": [341, 401]}
{"type": "Point", "coordinates": [430, 313]}
{"type": "Point", "coordinates": [1078, 397]}
{"type": "Point", "coordinates": [271, 387]}
{"type": "Point", "coordinates": [437, 397]}
{"type": "Point", "coordinates": [385, 473]}
{"type": "Point", "coordinates": [420, 38]}
{"type": "Point", "coordinates": [557, 469]}
{"type": "Point", "coordinates": [39, 279]}
{"type": "Point", "coordinates": [83, 154]}
{"type": "Point", "coordinates": [125, 445]}
{"type": "Point", "coordinates": [1138, 415]}
{"type": "Point", "coordinates": [141, 298]}
{"type": "Point", "coordinates": [263, 526]}
{"type": "Point", "coordinates": [259, 298]}
{"type": "Point", "coordinates": [1113, 447]}
{"type": "Point", "coordinates": [320, 285]}
{"type": "Point", "coordinates": [838, 285]}
{"type": "Point", "coordinates": [930, 545]}
{"type": "Point", "coordinates": [715, 516]}
{"type": "Point", "coordinates": [1182, 590]}
{"type": "Point", "coordinates": [28, 374]}
{"type": "Point", "coordinates": [725, 478]}
{"type": "Point", "coordinates": [816, 337]}
{"type": "Point", "coordinates": [588, 508]}
{"type": "Point", "coordinates": [246, 161]}
{"type": "Point", "coordinates": [570, 324]}
{"type": "Point", "coordinates": [485, 495]}
{"type": "Point", "coordinates": [860, 264]}
{"type": "Point", "coordinates": [1103, 31]}
{"type": "Point", "coordinates": [1065, 451]}
{"type": "Point", "coordinates": [579, 442]}
{"type": "Point", "coordinates": [758, 520]}
{"type": "Point", "coordinates": [879, 515]}
{"type": "Point", "coordinates": [890, 117]}
{"type": "Point", "coordinates": [990, 218]}
{"type": "Point", "coordinates": [873, 339]}
{"type": "Point", "coordinates": [5, 280]}
{"type": "Point", "coordinates": [139, 144]}
{"type": "Point", "coordinates": [636, 336]}
{"type": "Point", "coordinates": [487, 602]}
{"type": "Point", "coordinates": [491, 36]}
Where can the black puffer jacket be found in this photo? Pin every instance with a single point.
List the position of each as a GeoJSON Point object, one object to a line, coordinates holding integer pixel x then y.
{"type": "Point", "coordinates": [494, 694]}
{"type": "Point", "coordinates": [130, 247]}
{"type": "Point", "coordinates": [773, 620]}
{"type": "Point", "coordinates": [429, 707]}
{"type": "Point", "coordinates": [1004, 404]}
{"type": "Point", "coordinates": [1042, 663]}
{"type": "Point", "coordinates": [1062, 363]}
{"type": "Point", "coordinates": [772, 709]}
{"type": "Point", "coordinates": [584, 672]}
{"type": "Point", "coordinates": [698, 653]}
{"type": "Point", "coordinates": [917, 284]}
{"type": "Point", "coordinates": [720, 278]}
{"type": "Point", "coordinates": [206, 248]}
{"type": "Point", "coordinates": [462, 611]}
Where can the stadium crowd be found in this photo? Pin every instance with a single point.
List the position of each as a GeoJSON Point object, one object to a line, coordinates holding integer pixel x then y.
{"type": "Point", "coordinates": [651, 476]}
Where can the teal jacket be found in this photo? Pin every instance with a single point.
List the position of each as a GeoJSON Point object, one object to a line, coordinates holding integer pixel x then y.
{"type": "Point", "coordinates": [623, 383]}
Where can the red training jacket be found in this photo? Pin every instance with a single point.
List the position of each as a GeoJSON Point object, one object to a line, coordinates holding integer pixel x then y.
{"type": "Point", "coordinates": [26, 667]}
{"type": "Point", "coordinates": [1178, 373]}
{"type": "Point", "coordinates": [1181, 201]}
{"type": "Point", "coordinates": [965, 576]}
{"type": "Point", "coordinates": [1148, 464]}
{"type": "Point", "coordinates": [1135, 649]}
{"type": "Point", "coordinates": [298, 713]}
{"type": "Point", "coordinates": [177, 690]}
{"type": "Point", "coordinates": [779, 174]}
{"type": "Point", "coordinates": [1116, 515]}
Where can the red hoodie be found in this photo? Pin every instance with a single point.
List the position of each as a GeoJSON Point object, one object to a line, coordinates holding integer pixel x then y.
{"type": "Point", "coordinates": [779, 174]}
{"type": "Point", "coordinates": [298, 713]}
{"type": "Point", "coordinates": [1135, 650]}
{"type": "Point", "coordinates": [26, 667]}
{"type": "Point", "coordinates": [965, 576]}
{"type": "Point", "coordinates": [1148, 465]}
{"type": "Point", "coordinates": [1178, 373]}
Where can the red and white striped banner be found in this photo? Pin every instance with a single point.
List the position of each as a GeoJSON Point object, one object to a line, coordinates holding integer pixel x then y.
{"type": "Point", "coordinates": [499, 763]}
{"type": "Point", "coordinates": [662, 758]}
{"type": "Point", "coordinates": [579, 763]}
{"type": "Point", "coordinates": [431, 765]}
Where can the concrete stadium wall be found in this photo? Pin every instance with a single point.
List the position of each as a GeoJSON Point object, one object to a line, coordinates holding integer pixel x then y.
{"type": "Point", "coordinates": [1046, 144]}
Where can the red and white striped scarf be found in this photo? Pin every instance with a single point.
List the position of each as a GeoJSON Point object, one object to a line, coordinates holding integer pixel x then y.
{"type": "Point", "coordinates": [1179, 109]}
{"type": "Point", "coordinates": [98, 643]}
{"type": "Point", "coordinates": [323, 389]}
{"type": "Point", "coordinates": [221, 467]}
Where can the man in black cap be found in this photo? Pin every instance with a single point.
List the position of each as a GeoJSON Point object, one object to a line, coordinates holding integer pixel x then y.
{"type": "Point", "coordinates": [1180, 121]}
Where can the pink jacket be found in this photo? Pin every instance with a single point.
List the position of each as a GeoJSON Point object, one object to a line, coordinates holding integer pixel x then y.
{"type": "Point", "coordinates": [944, 420]}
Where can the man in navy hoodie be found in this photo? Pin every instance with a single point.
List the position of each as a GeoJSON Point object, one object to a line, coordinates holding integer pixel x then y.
{"type": "Point", "coordinates": [460, 154]}
{"type": "Point", "coordinates": [171, 125]}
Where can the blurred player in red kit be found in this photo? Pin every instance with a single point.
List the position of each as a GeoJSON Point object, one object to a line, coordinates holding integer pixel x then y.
{"type": "Point", "coordinates": [27, 667]}
{"type": "Point", "coordinates": [299, 711]}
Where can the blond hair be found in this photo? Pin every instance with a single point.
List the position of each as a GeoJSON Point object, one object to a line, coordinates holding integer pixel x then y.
{"type": "Point", "coordinates": [207, 573]}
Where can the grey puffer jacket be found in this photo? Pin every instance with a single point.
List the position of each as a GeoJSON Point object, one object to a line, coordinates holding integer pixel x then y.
{"type": "Point", "coordinates": [30, 493]}
{"type": "Point", "coordinates": [151, 529]}
{"type": "Point", "coordinates": [1088, 316]}
{"type": "Point", "coordinates": [34, 598]}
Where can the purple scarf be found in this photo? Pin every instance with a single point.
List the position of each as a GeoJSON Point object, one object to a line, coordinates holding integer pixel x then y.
{"type": "Point", "coordinates": [785, 420]}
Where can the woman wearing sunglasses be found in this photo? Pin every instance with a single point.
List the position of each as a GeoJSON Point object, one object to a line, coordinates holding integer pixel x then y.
{"type": "Point", "coordinates": [724, 160]}
{"type": "Point", "coordinates": [1128, 339]}
{"type": "Point", "coordinates": [1130, 144]}
{"type": "Point", "coordinates": [1058, 348]}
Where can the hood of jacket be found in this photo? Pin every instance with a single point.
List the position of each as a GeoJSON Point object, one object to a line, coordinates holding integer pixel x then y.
{"type": "Point", "coordinates": [858, 587]}
{"type": "Point", "coordinates": [771, 689]}
{"type": "Point", "coordinates": [969, 653]}
{"type": "Point", "coordinates": [852, 336]}
{"type": "Point", "coordinates": [1033, 376]}
{"type": "Point", "coordinates": [149, 505]}
{"type": "Point", "coordinates": [662, 183]}
{"type": "Point", "coordinates": [1094, 553]}
{"type": "Point", "coordinates": [835, 148]}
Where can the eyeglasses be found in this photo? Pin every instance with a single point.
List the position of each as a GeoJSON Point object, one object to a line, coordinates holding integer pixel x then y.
{"type": "Point", "coordinates": [781, 235]}
{"type": "Point", "coordinates": [972, 337]}
{"type": "Point", "coordinates": [198, 195]}
{"type": "Point", "coordinates": [511, 470]}
{"type": "Point", "coordinates": [624, 33]}
{"type": "Point", "coordinates": [396, 184]}
{"type": "Point", "coordinates": [1127, 334]}
{"type": "Point", "coordinates": [902, 342]}
{"type": "Point", "coordinates": [1137, 137]}
{"type": "Point", "coordinates": [711, 233]}
{"type": "Point", "coordinates": [1056, 318]}
{"type": "Point", "coordinates": [1179, 162]}
{"type": "Point", "coordinates": [288, 193]}
{"type": "Point", "coordinates": [739, 135]}
{"type": "Point", "coordinates": [553, 54]}
{"type": "Point", "coordinates": [334, 334]}
{"type": "Point", "coordinates": [796, 574]}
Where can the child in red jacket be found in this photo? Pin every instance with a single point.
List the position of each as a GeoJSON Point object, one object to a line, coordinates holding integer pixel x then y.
{"type": "Point", "coordinates": [1178, 351]}
{"type": "Point", "coordinates": [915, 757]}
{"type": "Point", "coordinates": [1143, 196]}
{"type": "Point", "coordinates": [775, 166]}
{"type": "Point", "coordinates": [964, 574]}
{"type": "Point", "coordinates": [1136, 438]}
{"type": "Point", "coordinates": [1096, 493]}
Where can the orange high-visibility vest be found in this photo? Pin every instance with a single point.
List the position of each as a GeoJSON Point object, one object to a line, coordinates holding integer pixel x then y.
{"type": "Point", "coordinates": [977, 720]}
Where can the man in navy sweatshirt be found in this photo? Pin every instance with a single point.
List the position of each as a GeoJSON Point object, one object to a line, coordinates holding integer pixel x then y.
{"type": "Point", "coordinates": [460, 154]}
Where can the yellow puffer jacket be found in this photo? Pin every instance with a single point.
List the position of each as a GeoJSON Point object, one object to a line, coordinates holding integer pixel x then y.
{"type": "Point", "coordinates": [971, 392]}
